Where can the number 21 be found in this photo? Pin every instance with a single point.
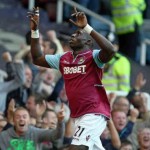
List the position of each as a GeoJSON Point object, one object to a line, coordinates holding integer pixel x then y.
{"type": "Point", "coordinates": [79, 131]}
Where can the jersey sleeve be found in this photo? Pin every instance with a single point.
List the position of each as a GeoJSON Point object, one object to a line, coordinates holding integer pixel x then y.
{"type": "Point", "coordinates": [96, 58]}
{"type": "Point", "coordinates": [53, 60]}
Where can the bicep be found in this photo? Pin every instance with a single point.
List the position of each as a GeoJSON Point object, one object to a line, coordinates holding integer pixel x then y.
{"type": "Point", "coordinates": [41, 61]}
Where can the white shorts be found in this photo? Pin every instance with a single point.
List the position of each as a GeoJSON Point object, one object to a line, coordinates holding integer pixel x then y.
{"type": "Point", "coordinates": [88, 129]}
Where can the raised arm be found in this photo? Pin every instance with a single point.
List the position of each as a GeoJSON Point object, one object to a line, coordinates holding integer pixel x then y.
{"type": "Point", "coordinates": [36, 52]}
{"type": "Point", "coordinates": [107, 49]}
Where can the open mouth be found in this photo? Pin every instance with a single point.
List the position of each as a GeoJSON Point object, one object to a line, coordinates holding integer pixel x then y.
{"type": "Point", "coordinates": [146, 139]}
{"type": "Point", "coordinates": [21, 124]}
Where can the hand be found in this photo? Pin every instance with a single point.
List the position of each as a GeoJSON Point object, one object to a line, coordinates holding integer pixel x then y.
{"type": "Point", "coordinates": [61, 113]}
{"type": "Point", "coordinates": [10, 110]}
{"type": "Point", "coordinates": [81, 20]}
{"type": "Point", "coordinates": [134, 113]}
{"type": "Point", "coordinates": [40, 109]}
{"type": "Point", "coordinates": [7, 57]}
{"type": "Point", "coordinates": [34, 18]}
{"type": "Point", "coordinates": [140, 81]}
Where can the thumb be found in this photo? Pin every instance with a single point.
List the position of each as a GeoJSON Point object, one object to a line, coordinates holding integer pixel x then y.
{"type": "Point", "coordinates": [62, 106]}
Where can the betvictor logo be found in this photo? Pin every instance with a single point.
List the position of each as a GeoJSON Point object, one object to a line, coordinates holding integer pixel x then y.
{"type": "Point", "coordinates": [76, 69]}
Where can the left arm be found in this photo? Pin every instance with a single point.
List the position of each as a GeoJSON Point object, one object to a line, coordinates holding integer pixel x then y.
{"type": "Point", "coordinates": [52, 135]}
{"type": "Point", "coordinates": [107, 49]}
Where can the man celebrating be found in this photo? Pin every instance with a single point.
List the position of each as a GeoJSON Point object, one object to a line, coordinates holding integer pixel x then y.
{"type": "Point", "coordinates": [81, 69]}
{"type": "Point", "coordinates": [25, 137]}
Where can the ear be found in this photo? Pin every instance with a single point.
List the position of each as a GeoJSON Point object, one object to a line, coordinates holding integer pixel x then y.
{"type": "Point", "coordinates": [89, 43]}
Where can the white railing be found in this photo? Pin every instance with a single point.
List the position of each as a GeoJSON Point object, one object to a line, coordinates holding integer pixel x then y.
{"type": "Point", "coordinates": [87, 11]}
{"type": "Point", "coordinates": [143, 51]}
{"type": "Point", "coordinates": [31, 4]}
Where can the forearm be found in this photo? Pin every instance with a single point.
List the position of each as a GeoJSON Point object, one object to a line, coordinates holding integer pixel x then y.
{"type": "Point", "coordinates": [114, 135]}
{"type": "Point", "coordinates": [51, 134]}
{"type": "Point", "coordinates": [107, 49]}
{"type": "Point", "coordinates": [36, 51]}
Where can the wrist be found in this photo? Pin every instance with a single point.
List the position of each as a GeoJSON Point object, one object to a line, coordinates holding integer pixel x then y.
{"type": "Point", "coordinates": [88, 29]}
{"type": "Point", "coordinates": [35, 34]}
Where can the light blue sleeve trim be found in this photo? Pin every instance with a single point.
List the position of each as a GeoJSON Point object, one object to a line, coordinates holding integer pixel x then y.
{"type": "Point", "coordinates": [99, 63]}
{"type": "Point", "coordinates": [53, 60]}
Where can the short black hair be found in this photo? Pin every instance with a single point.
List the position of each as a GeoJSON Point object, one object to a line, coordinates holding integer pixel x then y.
{"type": "Point", "coordinates": [28, 38]}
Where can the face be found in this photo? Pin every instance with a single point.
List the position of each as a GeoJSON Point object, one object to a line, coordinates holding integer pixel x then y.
{"type": "Point", "coordinates": [77, 40]}
{"type": "Point", "coordinates": [21, 121]}
{"type": "Point", "coordinates": [120, 120]}
{"type": "Point", "coordinates": [28, 77]}
{"type": "Point", "coordinates": [47, 48]}
{"type": "Point", "coordinates": [139, 100]}
{"type": "Point", "coordinates": [122, 104]}
{"type": "Point", "coordinates": [50, 120]}
{"type": "Point", "coordinates": [48, 76]}
{"type": "Point", "coordinates": [144, 138]}
{"type": "Point", "coordinates": [126, 147]}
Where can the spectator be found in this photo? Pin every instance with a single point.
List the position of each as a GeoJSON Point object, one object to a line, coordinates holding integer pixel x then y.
{"type": "Point", "coordinates": [128, 18]}
{"type": "Point", "coordinates": [28, 136]}
{"type": "Point", "coordinates": [121, 103]}
{"type": "Point", "coordinates": [144, 139]}
{"type": "Point", "coordinates": [123, 126]}
{"type": "Point", "coordinates": [117, 74]}
{"type": "Point", "coordinates": [110, 137]}
{"type": "Point", "coordinates": [16, 80]}
{"type": "Point", "coordinates": [126, 145]}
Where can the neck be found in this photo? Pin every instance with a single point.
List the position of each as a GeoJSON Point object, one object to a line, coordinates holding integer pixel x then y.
{"type": "Point", "coordinates": [19, 133]}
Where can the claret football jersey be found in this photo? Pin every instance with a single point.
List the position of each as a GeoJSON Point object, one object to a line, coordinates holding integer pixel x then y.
{"type": "Point", "coordinates": [82, 75]}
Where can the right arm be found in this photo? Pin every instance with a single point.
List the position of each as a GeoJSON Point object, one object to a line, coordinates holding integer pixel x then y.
{"type": "Point", "coordinates": [36, 52]}
{"type": "Point", "coordinates": [37, 56]}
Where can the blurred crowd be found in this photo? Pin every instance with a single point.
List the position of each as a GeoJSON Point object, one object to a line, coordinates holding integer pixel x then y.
{"type": "Point", "coordinates": [41, 91]}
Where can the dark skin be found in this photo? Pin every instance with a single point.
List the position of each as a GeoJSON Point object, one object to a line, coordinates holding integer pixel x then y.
{"type": "Point", "coordinates": [107, 49]}
{"type": "Point", "coordinates": [78, 42]}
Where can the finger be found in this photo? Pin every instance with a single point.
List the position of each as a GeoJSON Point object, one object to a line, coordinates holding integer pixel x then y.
{"type": "Point", "coordinates": [44, 104]}
{"type": "Point", "coordinates": [72, 22]}
{"type": "Point", "coordinates": [81, 14]}
{"type": "Point", "coordinates": [35, 8]}
{"type": "Point", "coordinates": [34, 21]}
{"type": "Point", "coordinates": [74, 14]}
{"type": "Point", "coordinates": [75, 10]}
{"type": "Point", "coordinates": [29, 16]}
{"type": "Point", "coordinates": [30, 13]}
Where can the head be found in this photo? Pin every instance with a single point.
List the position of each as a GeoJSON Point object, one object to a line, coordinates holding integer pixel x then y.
{"type": "Point", "coordinates": [144, 138]}
{"type": "Point", "coordinates": [21, 119]}
{"type": "Point", "coordinates": [80, 40]}
{"type": "Point", "coordinates": [120, 119]}
{"type": "Point", "coordinates": [121, 103]}
{"type": "Point", "coordinates": [126, 145]}
{"type": "Point", "coordinates": [48, 76]}
{"type": "Point", "coordinates": [49, 47]}
{"type": "Point", "coordinates": [139, 100]}
{"type": "Point", "coordinates": [50, 119]}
